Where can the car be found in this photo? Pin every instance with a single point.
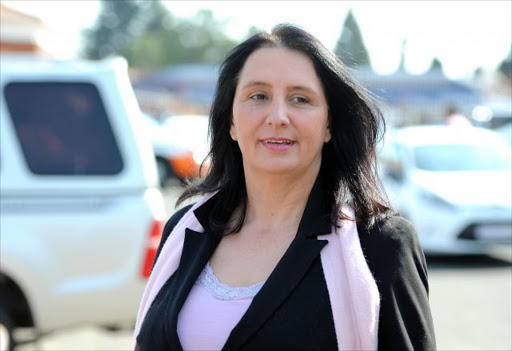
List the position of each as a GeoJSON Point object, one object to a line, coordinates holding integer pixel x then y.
{"type": "Point", "coordinates": [506, 132]}
{"type": "Point", "coordinates": [81, 211]}
{"type": "Point", "coordinates": [173, 161]}
{"type": "Point", "coordinates": [180, 144]}
{"type": "Point", "coordinates": [453, 184]}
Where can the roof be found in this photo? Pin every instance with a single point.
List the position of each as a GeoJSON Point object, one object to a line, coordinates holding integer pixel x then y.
{"type": "Point", "coordinates": [194, 83]}
{"type": "Point", "coordinates": [28, 65]}
{"type": "Point", "coordinates": [180, 75]}
{"type": "Point", "coordinates": [12, 15]}
{"type": "Point", "coordinates": [422, 89]}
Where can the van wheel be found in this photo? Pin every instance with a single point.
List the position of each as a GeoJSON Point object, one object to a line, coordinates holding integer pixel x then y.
{"type": "Point", "coordinates": [163, 171]}
{"type": "Point", "coordinates": [6, 329]}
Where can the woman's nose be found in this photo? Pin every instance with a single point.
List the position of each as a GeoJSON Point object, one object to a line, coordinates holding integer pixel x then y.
{"type": "Point", "coordinates": [278, 113]}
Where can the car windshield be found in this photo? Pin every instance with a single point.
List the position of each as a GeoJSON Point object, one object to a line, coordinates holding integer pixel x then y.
{"type": "Point", "coordinates": [462, 158]}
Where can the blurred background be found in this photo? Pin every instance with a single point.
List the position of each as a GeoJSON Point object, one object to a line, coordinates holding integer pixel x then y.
{"type": "Point", "coordinates": [441, 71]}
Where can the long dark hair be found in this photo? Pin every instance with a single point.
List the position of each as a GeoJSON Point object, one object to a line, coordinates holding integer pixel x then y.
{"type": "Point", "coordinates": [349, 162]}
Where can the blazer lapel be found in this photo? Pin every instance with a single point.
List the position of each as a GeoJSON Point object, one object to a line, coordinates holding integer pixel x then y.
{"type": "Point", "coordinates": [197, 249]}
{"type": "Point", "coordinates": [289, 271]}
{"type": "Point", "coordinates": [277, 288]}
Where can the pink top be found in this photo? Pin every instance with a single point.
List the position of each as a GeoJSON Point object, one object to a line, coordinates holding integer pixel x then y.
{"type": "Point", "coordinates": [211, 311]}
{"type": "Point", "coordinates": [348, 277]}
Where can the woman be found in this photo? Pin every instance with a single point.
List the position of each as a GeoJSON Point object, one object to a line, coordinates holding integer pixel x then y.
{"type": "Point", "coordinates": [292, 245]}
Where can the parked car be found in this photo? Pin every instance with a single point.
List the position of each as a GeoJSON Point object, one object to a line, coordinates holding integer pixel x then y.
{"type": "Point", "coordinates": [81, 213]}
{"type": "Point", "coordinates": [453, 184]}
{"type": "Point", "coordinates": [506, 132]}
{"type": "Point", "coordinates": [180, 143]}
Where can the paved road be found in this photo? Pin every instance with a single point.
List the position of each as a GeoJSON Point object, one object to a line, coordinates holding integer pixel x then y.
{"type": "Point", "coordinates": [471, 301]}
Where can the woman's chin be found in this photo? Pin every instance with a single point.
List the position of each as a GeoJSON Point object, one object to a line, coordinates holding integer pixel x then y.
{"type": "Point", "coordinates": [281, 169]}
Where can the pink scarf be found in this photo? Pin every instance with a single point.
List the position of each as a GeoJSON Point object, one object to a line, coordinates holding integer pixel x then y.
{"type": "Point", "coordinates": [352, 290]}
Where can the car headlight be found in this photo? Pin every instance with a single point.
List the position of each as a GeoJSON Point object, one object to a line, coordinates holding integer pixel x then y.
{"type": "Point", "coordinates": [435, 200]}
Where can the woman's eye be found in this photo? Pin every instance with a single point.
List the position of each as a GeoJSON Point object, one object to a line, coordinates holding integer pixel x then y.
{"type": "Point", "coordinates": [258, 97]}
{"type": "Point", "coordinates": [300, 99]}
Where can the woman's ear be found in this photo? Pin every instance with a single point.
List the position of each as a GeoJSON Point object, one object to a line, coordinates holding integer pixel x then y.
{"type": "Point", "coordinates": [327, 136]}
{"type": "Point", "coordinates": [232, 131]}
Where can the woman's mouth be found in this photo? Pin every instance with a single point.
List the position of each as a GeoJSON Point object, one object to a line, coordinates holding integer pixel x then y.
{"type": "Point", "coordinates": [277, 144]}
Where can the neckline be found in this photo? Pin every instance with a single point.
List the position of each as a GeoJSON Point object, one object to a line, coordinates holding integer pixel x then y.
{"type": "Point", "coordinates": [208, 280]}
{"type": "Point", "coordinates": [316, 218]}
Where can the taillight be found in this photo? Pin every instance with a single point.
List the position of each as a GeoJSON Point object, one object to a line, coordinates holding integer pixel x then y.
{"type": "Point", "coordinates": [153, 241]}
{"type": "Point", "coordinates": [184, 165]}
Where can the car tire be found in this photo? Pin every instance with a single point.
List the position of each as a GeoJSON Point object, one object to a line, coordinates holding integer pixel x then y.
{"type": "Point", "coordinates": [6, 331]}
{"type": "Point", "coordinates": [164, 171]}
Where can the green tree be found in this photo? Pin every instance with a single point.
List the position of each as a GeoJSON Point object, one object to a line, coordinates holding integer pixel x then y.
{"type": "Point", "coordinates": [401, 65]}
{"type": "Point", "coordinates": [169, 40]}
{"type": "Point", "coordinates": [251, 31]}
{"type": "Point", "coordinates": [158, 40]}
{"type": "Point", "coordinates": [350, 47]}
{"type": "Point", "coordinates": [436, 66]}
{"type": "Point", "coordinates": [155, 37]}
{"type": "Point", "coordinates": [118, 23]}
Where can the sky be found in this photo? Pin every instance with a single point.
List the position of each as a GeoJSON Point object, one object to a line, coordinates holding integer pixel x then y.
{"type": "Point", "coordinates": [464, 35]}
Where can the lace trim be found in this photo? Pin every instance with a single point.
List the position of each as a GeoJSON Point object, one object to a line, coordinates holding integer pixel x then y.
{"type": "Point", "coordinates": [221, 291]}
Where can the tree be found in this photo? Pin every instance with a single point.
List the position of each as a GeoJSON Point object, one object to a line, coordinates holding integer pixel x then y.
{"type": "Point", "coordinates": [118, 23]}
{"type": "Point", "coordinates": [436, 66]}
{"type": "Point", "coordinates": [252, 31]}
{"type": "Point", "coordinates": [169, 40]}
{"type": "Point", "coordinates": [401, 65]}
{"type": "Point", "coordinates": [350, 47]}
{"type": "Point", "coordinates": [160, 39]}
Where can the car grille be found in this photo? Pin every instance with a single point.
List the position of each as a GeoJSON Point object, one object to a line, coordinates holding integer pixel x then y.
{"type": "Point", "coordinates": [499, 233]}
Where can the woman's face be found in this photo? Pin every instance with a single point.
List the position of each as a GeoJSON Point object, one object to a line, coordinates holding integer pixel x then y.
{"type": "Point", "coordinates": [280, 113]}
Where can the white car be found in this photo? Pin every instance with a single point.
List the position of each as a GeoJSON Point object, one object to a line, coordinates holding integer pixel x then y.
{"type": "Point", "coordinates": [190, 132]}
{"type": "Point", "coordinates": [180, 143]}
{"type": "Point", "coordinates": [506, 132]}
{"type": "Point", "coordinates": [81, 213]}
{"type": "Point", "coordinates": [173, 161]}
{"type": "Point", "coordinates": [453, 184]}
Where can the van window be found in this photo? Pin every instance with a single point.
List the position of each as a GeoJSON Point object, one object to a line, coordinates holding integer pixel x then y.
{"type": "Point", "coordinates": [63, 128]}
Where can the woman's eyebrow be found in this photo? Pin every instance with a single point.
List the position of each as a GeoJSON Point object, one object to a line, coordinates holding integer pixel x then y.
{"type": "Point", "coordinates": [303, 88]}
{"type": "Point", "coordinates": [255, 83]}
{"type": "Point", "coordinates": [295, 87]}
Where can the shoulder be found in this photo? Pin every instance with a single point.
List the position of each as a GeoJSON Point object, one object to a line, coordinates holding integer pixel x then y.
{"type": "Point", "coordinates": [392, 233]}
{"type": "Point", "coordinates": [396, 260]}
{"type": "Point", "coordinates": [169, 226]}
{"type": "Point", "coordinates": [174, 219]}
{"type": "Point", "coordinates": [391, 247]}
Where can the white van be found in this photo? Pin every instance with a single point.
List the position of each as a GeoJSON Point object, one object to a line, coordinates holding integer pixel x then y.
{"type": "Point", "coordinates": [81, 212]}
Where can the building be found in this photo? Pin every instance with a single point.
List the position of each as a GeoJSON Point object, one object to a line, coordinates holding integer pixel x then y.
{"type": "Point", "coordinates": [21, 33]}
{"type": "Point", "coordinates": [420, 99]}
{"type": "Point", "coordinates": [180, 89]}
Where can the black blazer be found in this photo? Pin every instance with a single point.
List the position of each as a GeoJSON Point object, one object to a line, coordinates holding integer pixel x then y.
{"type": "Point", "coordinates": [292, 310]}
